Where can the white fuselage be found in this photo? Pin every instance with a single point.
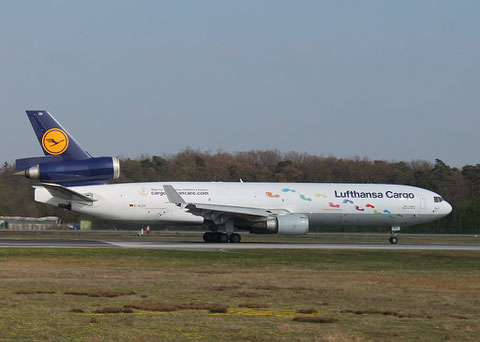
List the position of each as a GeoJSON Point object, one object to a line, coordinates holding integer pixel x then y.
{"type": "Point", "coordinates": [324, 204]}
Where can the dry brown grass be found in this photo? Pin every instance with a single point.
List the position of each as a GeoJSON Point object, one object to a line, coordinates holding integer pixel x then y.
{"type": "Point", "coordinates": [310, 319]}
{"type": "Point", "coordinates": [248, 295]}
{"type": "Point", "coordinates": [267, 287]}
{"type": "Point", "coordinates": [277, 287]}
{"type": "Point", "coordinates": [189, 286]}
{"type": "Point", "coordinates": [76, 311]}
{"type": "Point", "coordinates": [168, 307]}
{"type": "Point", "coordinates": [253, 305]}
{"type": "Point", "coordinates": [112, 310]}
{"type": "Point", "coordinates": [464, 282]}
{"type": "Point", "coordinates": [213, 272]}
{"type": "Point", "coordinates": [107, 294]}
{"type": "Point", "coordinates": [386, 313]}
{"type": "Point", "coordinates": [223, 288]}
{"type": "Point", "coordinates": [26, 292]}
{"type": "Point", "coordinates": [200, 306]}
{"type": "Point", "coordinates": [158, 307]}
{"type": "Point", "coordinates": [457, 316]}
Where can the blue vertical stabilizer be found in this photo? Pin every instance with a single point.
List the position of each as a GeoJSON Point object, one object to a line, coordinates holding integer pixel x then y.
{"type": "Point", "coordinates": [54, 139]}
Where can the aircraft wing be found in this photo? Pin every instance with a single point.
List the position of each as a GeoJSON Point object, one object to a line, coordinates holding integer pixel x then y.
{"type": "Point", "coordinates": [67, 194]}
{"type": "Point", "coordinates": [218, 213]}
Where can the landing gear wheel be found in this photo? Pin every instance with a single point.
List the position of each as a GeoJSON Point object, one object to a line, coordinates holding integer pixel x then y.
{"type": "Point", "coordinates": [235, 238]}
{"type": "Point", "coordinates": [221, 237]}
{"type": "Point", "coordinates": [393, 240]}
{"type": "Point", "coordinates": [208, 237]}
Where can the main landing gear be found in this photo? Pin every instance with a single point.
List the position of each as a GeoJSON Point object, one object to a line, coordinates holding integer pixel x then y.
{"type": "Point", "coordinates": [393, 232]}
{"type": "Point", "coordinates": [222, 237]}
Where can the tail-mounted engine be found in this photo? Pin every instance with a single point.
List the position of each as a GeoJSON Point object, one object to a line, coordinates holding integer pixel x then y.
{"type": "Point", "coordinates": [75, 172]}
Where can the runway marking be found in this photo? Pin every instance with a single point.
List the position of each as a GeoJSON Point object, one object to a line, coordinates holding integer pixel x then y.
{"type": "Point", "coordinates": [202, 246]}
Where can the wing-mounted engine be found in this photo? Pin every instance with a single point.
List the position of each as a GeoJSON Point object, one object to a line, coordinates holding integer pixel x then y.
{"type": "Point", "coordinates": [257, 221]}
{"type": "Point", "coordinates": [292, 224]}
{"type": "Point", "coordinates": [74, 172]}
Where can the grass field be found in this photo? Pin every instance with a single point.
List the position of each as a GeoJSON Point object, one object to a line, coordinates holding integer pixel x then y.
{"type": "Point", "coordinates": [60, 294]}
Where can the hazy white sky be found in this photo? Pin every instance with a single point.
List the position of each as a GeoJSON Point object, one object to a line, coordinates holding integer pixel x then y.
{"type": "Point", "coordinates": [394, 80]}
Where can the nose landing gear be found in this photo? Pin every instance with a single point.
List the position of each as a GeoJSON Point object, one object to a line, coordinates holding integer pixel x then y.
{"type": "Point", "coordinates": [393, 232]}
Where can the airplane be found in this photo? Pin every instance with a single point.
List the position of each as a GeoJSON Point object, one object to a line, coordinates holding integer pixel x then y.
{"type": "Point", "coordinates": [70, 178]}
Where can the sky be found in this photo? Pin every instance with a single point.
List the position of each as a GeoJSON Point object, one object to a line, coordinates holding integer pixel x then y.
{"type": "Point", "coordinates": [391, 80]}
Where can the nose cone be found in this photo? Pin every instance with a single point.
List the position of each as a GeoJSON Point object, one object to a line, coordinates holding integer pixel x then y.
{"type": "Point", "coordinates": [446, 208]}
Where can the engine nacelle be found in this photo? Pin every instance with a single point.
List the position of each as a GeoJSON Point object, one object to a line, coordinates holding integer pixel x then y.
{"type": "Point", "coordinates": [75, 171]}
{"type": "Point", "coordinates": [293, 224]}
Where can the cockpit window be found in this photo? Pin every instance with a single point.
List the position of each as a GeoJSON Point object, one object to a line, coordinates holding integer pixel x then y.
{"type": "Point", "coordinates": [437, 199]}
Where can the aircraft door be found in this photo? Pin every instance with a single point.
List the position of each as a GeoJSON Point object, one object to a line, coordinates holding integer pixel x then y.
{"type": "Point", "coordinates": [423, 202]}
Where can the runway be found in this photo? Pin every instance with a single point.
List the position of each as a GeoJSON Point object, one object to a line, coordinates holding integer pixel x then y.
{"type": "Point", "coordinates": [52, 243]}
{"type": "Point", "coordinates": [202, 246]}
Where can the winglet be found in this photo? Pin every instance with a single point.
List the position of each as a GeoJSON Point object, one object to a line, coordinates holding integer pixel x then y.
{"type": "Point", "coordinates": [173, 196]}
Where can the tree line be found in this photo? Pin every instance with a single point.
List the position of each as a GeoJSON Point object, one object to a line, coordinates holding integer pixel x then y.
{"type": "Point", "coordinates": [460, 187]}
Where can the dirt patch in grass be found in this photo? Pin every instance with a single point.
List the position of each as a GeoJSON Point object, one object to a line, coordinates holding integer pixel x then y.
{"type": "Point", "coordinates": [223, 288]}
{"type": "Point", "coordinates": [168, 307]}
{"type": "Point", "coordinates": [201, 306]}
{"type": "Point", "coordinates": [113, 310]}
{"type": "Point", "coordinates": [309, 319]}
{"type": "Point", "coordinates": [158, 307]}
{"type": "Point", "coordinates": [385, 313]}
{"type": "Point", "coordinates": [213, 272]}
{"type": "Point", "coordinates": [248, 295]}
{"type": "Point", "coordinates": [457, 316]}
{"type": "Point", "coordinates": [107, 294]}
{"type": "Point", "coordinates": [76, 311]}
{"type": "Point", "coordinates": [253, 305]}
{"type": "Point", "coordinates": [299, 288]}
{"type": "Point", "coordinates": [27, 292]}
{"type": "Point", "coordinates": [267, 287]}
{"type": "Point", "coordinates": [219, 309]}
{"type": "Point", "coordinates": [307, 311]}
{"type": "Point", "coordinates": [290, 288]}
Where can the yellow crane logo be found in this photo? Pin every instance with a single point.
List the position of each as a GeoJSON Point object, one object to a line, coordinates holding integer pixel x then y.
{"type": "Point", "coordinates": [55, 141]}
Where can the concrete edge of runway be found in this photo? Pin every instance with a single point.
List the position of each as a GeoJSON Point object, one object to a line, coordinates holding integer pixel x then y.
{"type": "Point", "coordinates": [202, 246]}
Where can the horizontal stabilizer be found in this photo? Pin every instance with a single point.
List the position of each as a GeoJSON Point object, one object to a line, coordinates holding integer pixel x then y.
{"type": "Point", "coordinates": [63, 193]}
{"type": "Point", "coordinates": [26, 163]}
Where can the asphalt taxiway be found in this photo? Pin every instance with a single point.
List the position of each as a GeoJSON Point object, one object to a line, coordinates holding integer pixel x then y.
{"type": "Point", "coordinates": [202, 246]}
